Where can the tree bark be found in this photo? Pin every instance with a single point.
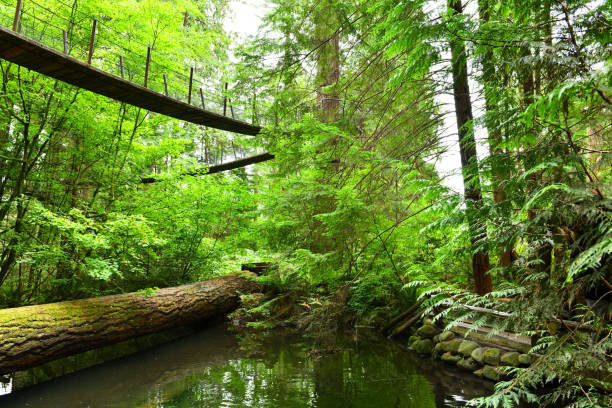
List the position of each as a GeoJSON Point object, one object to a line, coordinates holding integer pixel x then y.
{"type": "Point", "coordinates": [495, 136]}
{"type": "Point", "coordinates": [33, 335]}
{"type": "Point", "coordinates": [469, 159]}
{"type": "Point", "coordinates": [327, 34]}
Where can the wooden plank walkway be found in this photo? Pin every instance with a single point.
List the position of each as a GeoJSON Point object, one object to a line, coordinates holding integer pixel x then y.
{"type": "Point", "coordinates": [40, 58]}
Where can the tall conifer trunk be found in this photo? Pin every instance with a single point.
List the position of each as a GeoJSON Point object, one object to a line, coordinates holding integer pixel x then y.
{"type": "Point", "coordinates": [495, 135]}
{"type": "Point", "coordinates": [328, 61]}
{"type": "Point", "coordinates": [469, 159]}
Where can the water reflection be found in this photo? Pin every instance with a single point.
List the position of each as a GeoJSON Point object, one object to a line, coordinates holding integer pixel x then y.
{"type": "Point", "coordinates": [210, 369]}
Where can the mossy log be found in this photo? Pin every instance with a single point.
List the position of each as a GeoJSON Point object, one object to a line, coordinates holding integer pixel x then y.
{"type": "Point", "coordinates": [33, 335]}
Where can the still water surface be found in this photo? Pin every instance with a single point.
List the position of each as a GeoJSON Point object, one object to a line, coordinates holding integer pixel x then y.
{"type": "Point", "coordinates": [214, 368]}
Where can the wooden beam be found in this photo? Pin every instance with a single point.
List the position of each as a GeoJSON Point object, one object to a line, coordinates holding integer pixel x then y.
{"type": "Point", "coordinates": [220, 167]}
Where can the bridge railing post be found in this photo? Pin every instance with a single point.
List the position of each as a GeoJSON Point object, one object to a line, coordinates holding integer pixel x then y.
{"type": "Point", "coordinates": [65, 37]}
{"type": "Point", "coordinates": [146, 78]}
{"type": "Point", "coordinates": [202, 97]}
{"type": "Point", "coordinates": [17, 16]}
{"type": "Point", "coordinates": [225, 101]}
{"type": "Point", "coordinates": [121, 67]}
{"type": "Point", "coordinates": [190, 84]}
{"type": "Point", "coordinates": [166, 84]}
{"type": "Point", "coordinates": [91, 43]}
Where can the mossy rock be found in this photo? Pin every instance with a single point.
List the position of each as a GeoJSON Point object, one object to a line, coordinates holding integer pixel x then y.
{"type": "Point", "coordinates": [466, 347]}
{"type": "Point", "coordinates": [446, 335]}
{"type": "Point", "coordinates": [451, 345]}
{"type": "Point", "coordinates": [436, 338]}
{"type": "Point", "coordinates": [427, 331]}
{"type": "Point", "coordinates": [450, 357]}
{"type": "Point", "coordinates": [511, 359]}
{"type": "Point", "coordinates": [412, 339]}
{"type": "Point", "coordinates": [438, 349]}
{"type": "Point", "coordinates": [478, 355]}
{"type": "Point", "coordinates": [492, 373]}
{"type": "Point", "coordinates": [491, 356]}
{"type": "Point", "coordinates": [423, 346]}
{"type": "Point", "coordinates": [524, 359]}
{"type": "Point", "coordinates": [479, 372]}
{"type": "Point", "coordinates": [467, 364]}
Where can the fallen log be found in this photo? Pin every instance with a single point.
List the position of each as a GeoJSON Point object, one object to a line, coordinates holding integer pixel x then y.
{"type": "Point", "coordinates": [402, 316]}
{"type": "Point", "coordinates": [406, 325]}
{"type": "Point", "coordinates": [33, 335]}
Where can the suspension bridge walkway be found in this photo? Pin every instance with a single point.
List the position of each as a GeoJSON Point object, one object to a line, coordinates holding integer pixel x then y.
{"type": "Point", "coordinates": [53, 59]}
{"type": "Point", "coordinates": [37, 57]}
{"type": "Point", "coordinates": [29, 53]}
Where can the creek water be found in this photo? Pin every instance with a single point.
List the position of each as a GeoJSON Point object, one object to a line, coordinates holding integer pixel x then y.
{"type": "Point", "coordinates": [216, 368]}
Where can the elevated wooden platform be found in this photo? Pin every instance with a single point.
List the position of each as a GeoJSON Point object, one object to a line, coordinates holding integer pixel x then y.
{"type": "Point", "coordinates": [40, 58]}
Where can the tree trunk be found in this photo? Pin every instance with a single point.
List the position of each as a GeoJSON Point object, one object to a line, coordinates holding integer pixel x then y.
{"type": "Point", "coordinates": [328, 60]}
{"type": "Point", "coordinates": [495, 136]}
{"type": "Point", "coordinates": [469, 159]}
{"type": "Point", "coordinates": [33, 335]}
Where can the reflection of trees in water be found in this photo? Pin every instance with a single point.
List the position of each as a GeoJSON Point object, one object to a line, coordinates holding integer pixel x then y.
{"type": "Point", "coordinates": [209, 370]}
{"type": "Point", "coordinates": [375, 376]}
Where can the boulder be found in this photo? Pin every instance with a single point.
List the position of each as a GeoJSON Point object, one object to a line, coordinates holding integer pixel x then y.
{"type": "Point", "coordinates": [467, 364]}
{"type": "Point", "coordinates": [491, 373]}
{"type": "Point", "coordinates": [423, 346]}
{"type": "Point", "coordinates": [451, 345]}
{"type": "Point", "coordinates": [436, 338]}
{"type": "Point", "coordinates": [479, 372]}
{"type": "Point", "coordinates": [427, 331]}
{"type": "Point", "coordinates": [438, 349]}
{"type": "Point", "coordinates": [412, 339]}
{"type": "Point", "coordinates": [524, 359]}
{"type": "Point", "coordinates": [450, 358]}
{"type": "Point", "coordinates": [491, 356]}
{"type": "Point", "coordinates": [446, 335]}
{"type": "Point", "coordinates": [511, 359]}
{"type": "Point", "coordinates": [478, 355]}
{"type": "Point", "coordinates": [466, 347]}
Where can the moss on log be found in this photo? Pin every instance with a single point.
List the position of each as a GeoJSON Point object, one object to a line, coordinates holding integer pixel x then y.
{"type": "Point", "coordinates": [33, 335]}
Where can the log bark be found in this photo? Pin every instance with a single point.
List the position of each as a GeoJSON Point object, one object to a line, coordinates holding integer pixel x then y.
{"type": "Point", "coordinates": [402, 316]}
{"type": "Point", "coordinates": [33, 335]}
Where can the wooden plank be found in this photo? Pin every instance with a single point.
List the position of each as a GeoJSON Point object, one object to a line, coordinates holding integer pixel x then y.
{"type": "Point", "coordinates": [503, 339]}
{"type": "Point", "coordinates": [42, 59]}
{"type": "Point", "coordinates": [236, 164]}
